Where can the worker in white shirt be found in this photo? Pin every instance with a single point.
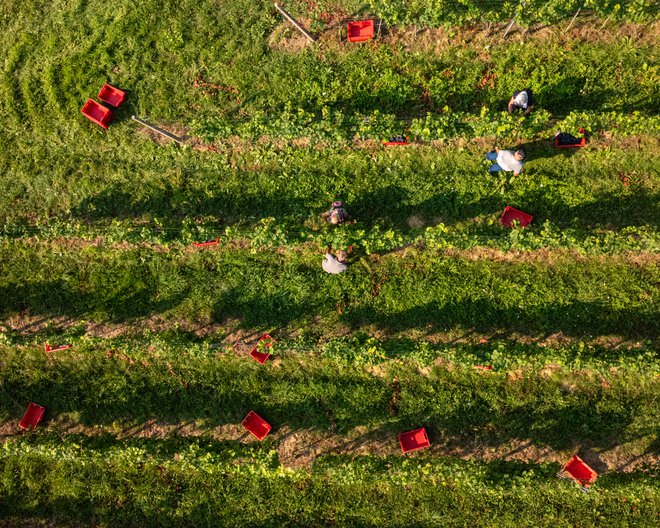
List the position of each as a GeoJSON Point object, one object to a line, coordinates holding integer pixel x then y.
{"type": "Point", "coordinates": [332, 264]}
{"type": "Point", "coordinates": [506, 160]}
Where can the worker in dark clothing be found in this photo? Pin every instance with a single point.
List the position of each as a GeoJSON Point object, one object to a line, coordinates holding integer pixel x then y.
{"type": "Point", "coordinates": [521, 100]}
{"type": "Point", "coordinates": [337, 214]}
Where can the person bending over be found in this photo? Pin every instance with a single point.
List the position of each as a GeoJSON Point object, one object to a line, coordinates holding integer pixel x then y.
{"type": "Point", "coordinates": [332, 264]}
{"type": "Point", "coordinates": [337, 213]}
{"type": "Point", "coordinates": [521, 100]}
{"type": "Point", "coordinates": [506, 160]}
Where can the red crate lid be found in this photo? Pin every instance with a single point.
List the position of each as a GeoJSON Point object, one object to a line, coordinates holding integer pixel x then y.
{"type": "Point", "coordinates": [50, 348]}
{"type": "Point", "coordinates": [97, 113]}
{"type": "Point", "coordinates": [262, 357]}
{"type": "Point", "coordinates": [580, 471]}
{"type": "Point", "coordinates": [111, 95]}
{"type": "Point", "coordinates": [206, 243]}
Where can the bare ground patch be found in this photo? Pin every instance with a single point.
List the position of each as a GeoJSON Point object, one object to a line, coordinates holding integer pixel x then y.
{"type": "Point", "coordinates": [288, 39]}
{"type": "Point", "coordinates": [483, 36]}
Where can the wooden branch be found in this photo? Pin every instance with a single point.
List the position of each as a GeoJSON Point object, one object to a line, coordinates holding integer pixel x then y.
{"type": "Point", "coordinates": [294, 22]}
{"type": "Point", "coordinates": [159, 130]}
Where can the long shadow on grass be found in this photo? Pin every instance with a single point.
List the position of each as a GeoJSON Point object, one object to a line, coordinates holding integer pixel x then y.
{"type": "Point", "coordinates": [392, 205]}
{"type": "Point", "coordinates": [178, 204]}
{"type": "Point", "coordinates": [482, 315]}
{"type": "Point", "coordinates": [121, 294]}
{"type": "Point", "coordinates": [641, 208]}
{"type": "Point", "coordinates": [57, 298]}
{"type": "Point", "coordinates": [546, 411]}
{"type": "Point", "coordinates": [259, 310]}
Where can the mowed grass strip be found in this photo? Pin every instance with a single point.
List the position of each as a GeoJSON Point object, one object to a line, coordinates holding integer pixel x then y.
{"type": "Point", "coordinates": [179, 341]}
{"type": "Point", "coordinates": [194, 484]}
{"type": "Point", "coordinates": [67, 168]}
{"type": "Point", "coordinates": [549, 406]}
{"type": "Point", "coordinates": [60, 56]}
{"type": "Point", "coordinates": [416, 289]}
{"type": "Point", "coordinates": [167, 194]}
{"type": "Point", "coordinates": [431, 13]}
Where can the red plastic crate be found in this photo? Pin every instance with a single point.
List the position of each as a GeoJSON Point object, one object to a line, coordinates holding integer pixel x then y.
{"type": "Point", "coordinates": [360, 31]}
{"type": "Point", "coordinates": [32, 416]}
{"type": "Point", "coordinates": [577, 145]}
{"type": "Point", "coordinates": [256, 425]}
{"type": "Point", "coordinates": [580, 472]}
{"type": "Point", "coordinates": [212, 242]}
{"type": "Point", "coordinates": [97, 113]}
{"type": "Point", "coordinates": [413, 440]}
{"type": "Point", "coordinates": [50, 348]}
{"type": "Point", "coordinates": [395, 143]}
{"type": "Point", "coordinates": [262, 357]}
{"type": "Point", "coordinates": [111, 95]}
{"type": "Point", "coordinates": [510, 214]}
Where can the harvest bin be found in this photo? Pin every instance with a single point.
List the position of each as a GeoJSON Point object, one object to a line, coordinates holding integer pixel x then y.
{"type": "Point", "coordinates": [582, 142]}
{"type": "Point", "coordinates": [510, 214]}
{"type": "Point", "coordinates": [32, 416]}
{"type": "Point", "coordinates": [256, 425]}
{"type": "Point", "coordinates": [111, 95]}
{"type": "Point", "coordinates": [50, 348]}
{"type": "Point", "coordinates": [262, 357]}
{"type": "Point", "coordinates": [580, 472]}
{"type": "Point", "coordinates": [413, 440]}
{"type": "Point", "coordinates": [211, 242]}
{"type": "Point", "coordinates": [97, 113]}
{"type": "Point", "coordinates": [360, 31]}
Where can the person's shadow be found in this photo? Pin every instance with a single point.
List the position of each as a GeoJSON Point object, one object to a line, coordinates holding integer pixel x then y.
{"type": "Point", "coordinates": [544, 148]}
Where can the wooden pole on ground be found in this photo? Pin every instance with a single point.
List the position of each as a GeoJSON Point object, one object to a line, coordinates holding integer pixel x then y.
{"type": "Point", "coordinates": [508, 28]}
{"type": "Point", "coordinates": [573, 19]}
{"type": "Point", "coordinates": [294, 22]}
{"type": "Point", "coordinates": [158, 130]}
{"type": "Point", "coordinates": [604, 23]}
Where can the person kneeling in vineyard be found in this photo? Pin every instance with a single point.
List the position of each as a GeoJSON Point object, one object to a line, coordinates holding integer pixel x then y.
{"type": "Point", "coordinates": [332, 264]}
{"type": "Point", "coordinates": [337, 214]}
{"type": "Point", "coordinates": [506, 160]}
{"type": "Point", "coordinates": [521, 100]}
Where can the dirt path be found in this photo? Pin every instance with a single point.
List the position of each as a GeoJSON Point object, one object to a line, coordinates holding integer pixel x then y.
{"type": "Point", "coordinates": [301, 447]}
{"type": "Point", "coordinates": [230, 335]}
{"type": "Point", "coordinates": [586, 29]}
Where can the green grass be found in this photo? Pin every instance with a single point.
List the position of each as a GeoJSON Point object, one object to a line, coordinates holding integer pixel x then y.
{"type": "Point", "coordinates": [504, 353]}
{"type": "Point", "coordinates": [192, 483]}
{"type": "Point", "coordinates": [311, 391]}
{"type": "Point", "coordinates": [96, 226]}
{"type": "Point", "coordinates": [578, 296]}
{"type": "Point", "coordinates": [277, 196]}
{"type": "Point", "coordinates": [67, 172]}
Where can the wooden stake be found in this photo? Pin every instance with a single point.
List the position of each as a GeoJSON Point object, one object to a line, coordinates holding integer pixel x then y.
{"type": "Point", "coordinates": [294, 22]}
{"type": "Point", "coordinates": [159, 130]}
{"type": "Point", "coordinates": [508, 28]}
{"type": "Point", "coordinates": [573, 19]}
{"type": "Point", "coordinates": [606, 21]}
